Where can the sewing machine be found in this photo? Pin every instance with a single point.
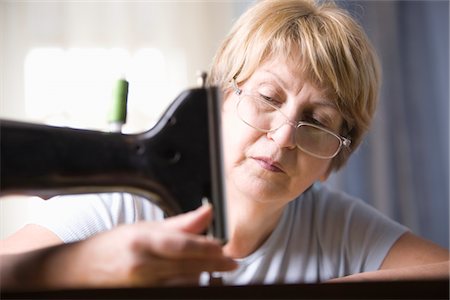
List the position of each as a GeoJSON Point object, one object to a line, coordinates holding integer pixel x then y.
{"type": "Point", "coordinates": [177, 164]}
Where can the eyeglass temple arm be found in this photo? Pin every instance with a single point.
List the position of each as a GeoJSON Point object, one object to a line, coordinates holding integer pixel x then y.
{"type": "Point", "coordinates": [236, 89]}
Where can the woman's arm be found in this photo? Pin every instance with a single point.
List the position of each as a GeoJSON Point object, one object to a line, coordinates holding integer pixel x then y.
{"type": "Point", "coordinates": [410, 258]}
{"type": "Point", "coordinates": [141, 254]}
{"type": "Point", "coordinates": [30, 237]}
{"type": "Point", "coordinates": [435, 271]}
{"type": "Point", "coordinates": [412, 250]}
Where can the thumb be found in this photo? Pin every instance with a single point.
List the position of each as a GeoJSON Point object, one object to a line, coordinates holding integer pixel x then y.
{"type": "Point", "coordinates": [195, 221]}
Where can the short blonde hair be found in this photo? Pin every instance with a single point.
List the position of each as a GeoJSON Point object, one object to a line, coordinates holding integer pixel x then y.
{"type": "Point", "coordinates": [335, 54]}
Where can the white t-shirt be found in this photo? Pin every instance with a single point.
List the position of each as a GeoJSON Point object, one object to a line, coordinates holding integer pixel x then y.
{"type": "Point", "coordinates": [322, 234]}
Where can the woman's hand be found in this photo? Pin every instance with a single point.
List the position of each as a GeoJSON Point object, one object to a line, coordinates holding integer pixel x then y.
{"type": "Point", "coordinates": [143, 254]}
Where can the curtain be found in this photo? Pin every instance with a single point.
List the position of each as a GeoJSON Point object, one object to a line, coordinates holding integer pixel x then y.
{"type": "Point", "coordinates": [402, 168]}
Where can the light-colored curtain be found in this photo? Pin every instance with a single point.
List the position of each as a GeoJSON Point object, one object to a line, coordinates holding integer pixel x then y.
{"type": "Point", "coordinates": [402, 168]}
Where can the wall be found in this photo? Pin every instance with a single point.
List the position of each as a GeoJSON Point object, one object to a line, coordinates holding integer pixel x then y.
{"type": "Point", "coordinates": [186, 32]}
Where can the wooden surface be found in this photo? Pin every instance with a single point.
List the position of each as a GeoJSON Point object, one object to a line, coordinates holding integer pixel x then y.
{"type": "Point", "coordinates": [363, 290]}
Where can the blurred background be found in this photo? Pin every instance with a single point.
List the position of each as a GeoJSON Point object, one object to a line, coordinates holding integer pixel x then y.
{"type": "Point", "coordinates": [60, 59]}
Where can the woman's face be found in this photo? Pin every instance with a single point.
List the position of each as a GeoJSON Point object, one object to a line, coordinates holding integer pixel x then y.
{"type": "Point", "coordinates": [268, 167]}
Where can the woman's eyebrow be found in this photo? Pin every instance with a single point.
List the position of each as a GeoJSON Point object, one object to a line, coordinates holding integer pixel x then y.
{"type": "Point", "coordinates": [324, 103]}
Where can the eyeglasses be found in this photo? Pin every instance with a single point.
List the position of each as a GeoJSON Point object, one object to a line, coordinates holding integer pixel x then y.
{"type": "Point", "coordinates": [258, 113]}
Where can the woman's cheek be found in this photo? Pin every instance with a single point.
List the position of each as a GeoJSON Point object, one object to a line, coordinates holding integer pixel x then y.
{"type": "Point", "coordinates": [231, 144]}
{"type": "Point", "coordinates": [237, 136]}
{"type": "Point", "coordinates": [229, 137]}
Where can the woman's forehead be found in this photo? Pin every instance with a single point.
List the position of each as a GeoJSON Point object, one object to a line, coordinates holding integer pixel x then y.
{"type": "Point", "coordinates": [290, 73]}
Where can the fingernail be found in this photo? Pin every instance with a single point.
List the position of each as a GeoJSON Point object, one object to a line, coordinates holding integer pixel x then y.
{"type": "Point", "coordinates": [198, 210]}
{"type": "Point", "coordinates": [203, 207]}
{"type": "Point", "coordinates": [206, 203]}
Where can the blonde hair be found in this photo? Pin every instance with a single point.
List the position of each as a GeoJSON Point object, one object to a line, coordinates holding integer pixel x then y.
{"type": "Point", "coordinates": [330, 47]}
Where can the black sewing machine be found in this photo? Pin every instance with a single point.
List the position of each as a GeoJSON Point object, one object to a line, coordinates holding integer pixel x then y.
{"type": "Point", "coordinates": [176, 164]}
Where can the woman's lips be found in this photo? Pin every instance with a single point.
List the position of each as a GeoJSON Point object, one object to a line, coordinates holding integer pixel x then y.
{"type": "Point", "coordinates": [268, 164]}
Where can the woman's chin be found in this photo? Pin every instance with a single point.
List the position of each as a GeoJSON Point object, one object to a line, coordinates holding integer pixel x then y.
{"type": "Point", "coordinates": [260, 188]}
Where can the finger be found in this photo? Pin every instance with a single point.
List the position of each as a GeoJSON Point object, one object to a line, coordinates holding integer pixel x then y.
{"type": "Point", "coordinates": [163, 269]}
{"type": "Point", "coordinates": [194, 266]}
{"type": "Point", "coordinates": [192, 280]}
{"type": "Point", "coordinates": [195, 221]}
{"type": "Point", "coordinates": [179, 245]}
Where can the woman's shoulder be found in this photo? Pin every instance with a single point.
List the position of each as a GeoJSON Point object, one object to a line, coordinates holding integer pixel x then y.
{"type": "Point", "coordinates": [345, 226]}
{"type": "Point", "coordinates": [329, 209]}
{"type": "Point", "coordinates": [123, 207]}
{"type": "Point", "coordinates": [76, 217]}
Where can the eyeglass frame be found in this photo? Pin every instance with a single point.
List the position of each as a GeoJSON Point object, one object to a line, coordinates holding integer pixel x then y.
{"type": "Point", "coordinates": [343, 141]}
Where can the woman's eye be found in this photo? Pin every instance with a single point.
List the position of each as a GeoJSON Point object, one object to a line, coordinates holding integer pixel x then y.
{"type": "Point", "coordinates": [270, 100]}
{"type": "Point", "coordinates": [318, 123]}
{"type": "Point", "coordinates": [315, 121]}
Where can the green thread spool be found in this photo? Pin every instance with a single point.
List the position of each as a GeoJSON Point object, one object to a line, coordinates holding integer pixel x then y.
{"type": "Point", "coordinates": [118, 112]}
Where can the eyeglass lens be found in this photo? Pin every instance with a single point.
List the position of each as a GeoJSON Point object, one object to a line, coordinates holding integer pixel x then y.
{"type": "Point", "coordinates": [260, 114]}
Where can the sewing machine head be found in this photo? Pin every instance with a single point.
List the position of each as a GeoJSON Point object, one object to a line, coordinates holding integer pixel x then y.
{"type": "Point", "coordinates": [177, 164]}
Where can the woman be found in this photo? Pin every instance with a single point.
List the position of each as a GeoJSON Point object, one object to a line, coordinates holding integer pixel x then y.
{"type": "Point", "coordinates": [300, 82]}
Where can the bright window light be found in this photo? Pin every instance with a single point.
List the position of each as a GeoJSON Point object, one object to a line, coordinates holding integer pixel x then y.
{"type": "Point", "coordinates": [73, 87]}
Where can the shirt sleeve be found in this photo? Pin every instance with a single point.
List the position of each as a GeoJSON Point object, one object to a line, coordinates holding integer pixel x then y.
{"type": "Point", "coordinates": [77, 217]}
{"type": "Point", "coordinates": [354, 236]}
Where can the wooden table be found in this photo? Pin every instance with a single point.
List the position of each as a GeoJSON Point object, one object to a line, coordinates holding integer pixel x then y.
{"type": "Point", "coordinates": [361, 290]}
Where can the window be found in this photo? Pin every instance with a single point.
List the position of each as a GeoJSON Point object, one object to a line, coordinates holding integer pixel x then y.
{"type": "Point", "coordinates": [73, 87]}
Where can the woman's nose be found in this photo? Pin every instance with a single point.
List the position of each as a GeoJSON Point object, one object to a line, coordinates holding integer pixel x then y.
{"type": "Point", "coordinates": [284, 136]}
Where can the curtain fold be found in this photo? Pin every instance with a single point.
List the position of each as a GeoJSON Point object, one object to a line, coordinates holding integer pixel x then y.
{"type": "Point", "coordinates": [402, 168]}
